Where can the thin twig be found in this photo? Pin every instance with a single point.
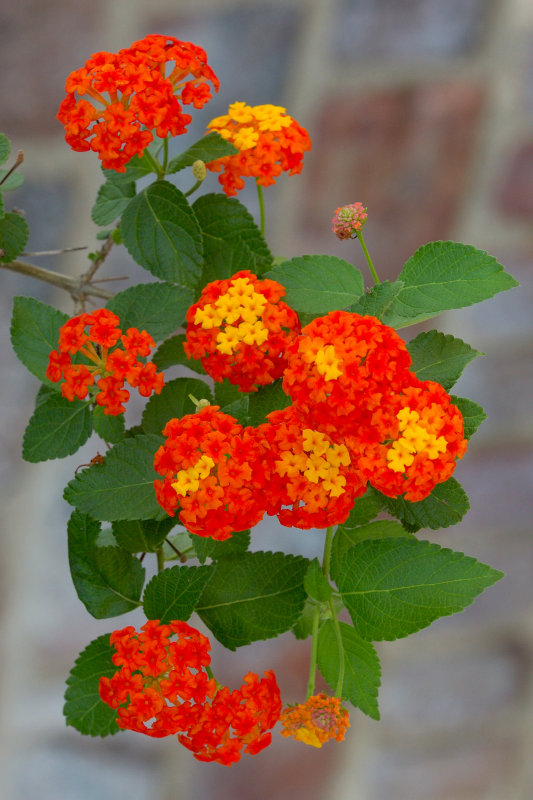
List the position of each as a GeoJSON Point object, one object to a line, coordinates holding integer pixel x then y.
{"type": "Point", "coordinates": [100, 258]}
{"type": "Point", "coordinates": [78, 288]}
{"type": "Point", "coordinates": [53, 252]}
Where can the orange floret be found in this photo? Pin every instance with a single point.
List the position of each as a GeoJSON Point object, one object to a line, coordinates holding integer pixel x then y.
{"type": "Point", "coordinates": [269, 142]}
{"type": "Point", "coordinates": [316, 721]}
{"type": "Point", "coordinates": [240, 329]}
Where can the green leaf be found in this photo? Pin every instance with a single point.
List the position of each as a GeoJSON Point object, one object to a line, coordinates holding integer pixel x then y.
{"type": "Point", "coordinates": [5, 148]}
{"type": "Point", "coordinates": [14, 181]}
{"type": "Point", "coordinates": [14, 234]}
{"type": "Point", "coordinates": [171, 353]}
{"type": "Point", "coordinates": [446, 505]}
{"type": "Point", "coordinates": [439, 357]}
{"type": "Point", "coordinates": [173, 402]}
{"type": "Point", "coordinates": [303, 627]}
{"type": "Point", "coordinates": [158, 308]}
{"type": "Point", "coordinates": [318, 284]}
{"type": "Point", "coordinates": [137, 167]}
{"type": "Point", "coordinates": [253, 596]}
{"type": "Point", "coordinates": [365, 509]}
{"type": "Point", "coordinates": [108, 580]}
{"type": "Point", "coordinates": [109, 427]}
{"type": "Point", "coordinates": [377, 301]}
{"type": "Point", "coordinates": [445, 275]}
{"type": "Point", "coordinates": [362, 671]}
{"type": "Point", "coordinates": [473, 414]}
{"type": "Point", "coordinates": [208, 148]}
{"type": "Point", "coordinates": [142, 536]}
{"type": "Point", "coordinates": [112, 199]}
{"type": "Point", "coordinates": [394, 587]}
{"type": "Point", "coordinates": [206, 547]}
{"type": "Point", "coordinates": [83, 708]}
{"type": "Point", "coordinates": [346, 537]}
{"type": "Point", "coordinates": [2, 206]}
{"type": "Point", "coordinates": [35, 333]}
{"type": "Point", "coordinates": [316, 584]}
{"type": "Point", "coordinates": [232, 240]}
{"type": "Point", "coordinates": [266, 399]}
{"type": "Point", "coordinates": [161, 232]}
{"type": "Point", "coordinates": [56, 429]}
{"type": "Point", "coordinates": [122, 487]}
{"type": "Point", "coordinates": [174, 592]}
{"type": "Point", "coordinates": [232, 401]}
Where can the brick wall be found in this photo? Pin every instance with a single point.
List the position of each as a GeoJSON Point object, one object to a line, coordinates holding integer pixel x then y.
{"type": "Point", "coordinates": [423, 110]}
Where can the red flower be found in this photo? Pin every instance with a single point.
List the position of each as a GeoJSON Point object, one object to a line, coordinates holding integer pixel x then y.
{"type": "Point", "coordinates": [240, 329]}
{"type": "Point", "coordinates": [140, 97]}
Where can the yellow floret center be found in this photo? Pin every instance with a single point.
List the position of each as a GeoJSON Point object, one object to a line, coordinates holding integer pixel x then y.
{"type": "Point", "coordinates": [188, 480]}
{"type": "Point", "coordinates": [327, 363]}
{"type": "Point", "coordinates": [320, 462]}
{"type": "Point", "coordinates": [414, 439]}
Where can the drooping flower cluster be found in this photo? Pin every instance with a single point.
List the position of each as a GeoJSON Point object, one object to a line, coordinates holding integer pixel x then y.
{"type": "Point", "coordinates": [269, 142]}
{"type": "Point", "coordinates": [116, 100]}
{"type": "Point", "coordinates": [240, 329]}
{"type": "Point", "coordinates": [212, 474]}
{"type": "Point", "coordinates": [163, 688]}
{"type": "Point", "coordinates": [114, 359]}
{"type": "Point", "coordinates": [316, 721]}
{"type": "Point", "coordinates": [349, 220]}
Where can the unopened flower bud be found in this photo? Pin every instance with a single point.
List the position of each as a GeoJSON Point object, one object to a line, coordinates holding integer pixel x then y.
{"type": "Point", "coordinates": [198, 170]}
{"type": "Point", "coordinates": [349, 220]}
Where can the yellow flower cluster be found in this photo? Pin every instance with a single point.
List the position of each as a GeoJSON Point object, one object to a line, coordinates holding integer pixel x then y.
{"type": "Point", "coordinates": [415, 438]}
{"type": "Point", "coordinates": [251, 121]}
{"type": "Point", "coordinates": [327, 363]}
{"type": "Point", "coordinates": [319, 462]}
{"type": "Point", "coordinates": [188, 480]}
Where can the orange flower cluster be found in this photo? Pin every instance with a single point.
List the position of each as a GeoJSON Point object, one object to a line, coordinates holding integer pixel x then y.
{"type": "Point", "coordinates": [269, 142]}
{"type": "Point", "coordinates": [212, 474]}
{"type": "Point", "coordinates": [115, 101]}
{"type": "Point", "coordinates": [316, 721]}
{"type": "Point", "coordinates": [311, 478]}
{"type": "Point", "coordinates": [115, 363]}
{"type": "Point", "coordinates": [162, 688]}
{"type": "Point", "coordinates": [240, 329]}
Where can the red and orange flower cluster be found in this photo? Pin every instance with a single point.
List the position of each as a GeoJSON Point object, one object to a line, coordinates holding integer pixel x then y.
{"type": "Point", "coordinates": [269, 142]}
{"type": "Point", "coordinates": [114, 356]}
{"type": "Point", "coordinates": [116, 100]}
{"type": "Point", "coordinates": [164, 687]}
{"type": "Point", "coordinates": [240, 329]}
{"type": "Point", "coordinates": [318, 720]}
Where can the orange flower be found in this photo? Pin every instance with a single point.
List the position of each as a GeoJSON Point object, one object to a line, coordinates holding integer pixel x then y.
{"type": "Point", "coordinates": [141, 97]}
{"type": "Point", "coordinates": [316, 721]}
{"type": "Point", "coordinates": [212, 474]}
{"type": "Point", "coordinates": [240, 329]}
{"type": "Point", "coordinates": [162, 688]}
{"type": "Point", "coordinates": [269, 142]}
{"type": "Point", "coordinates": [107, 369]}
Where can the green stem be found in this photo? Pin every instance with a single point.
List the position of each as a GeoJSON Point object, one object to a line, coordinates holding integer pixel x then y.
{"type": "Point", "coordinates": [261, 208]}
{"type": "Point", "coordinates": [326, 561]}
{"type": "Point", "coordinates": [193, 188]}
{"type": "Point", "coordinates": [160, 559]}
{"type": "Point", "coordinates": [338, 635]}
{"type": "Point", "coordinates": [314, 654]}
{"type": "Point", "coordinates": [165, 154]}
{"type": "Point", "coordinates": [368, 259]}
{"type": "Point", "coordinates": [154, 163]}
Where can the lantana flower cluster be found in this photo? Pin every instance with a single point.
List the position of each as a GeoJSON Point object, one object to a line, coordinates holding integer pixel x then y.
{"type": "Point", "coordinates": [163, 687]}
{"type": "Point", "coordinates": [269, 142]}
{"type": "Point", "coordinates": [318, 720]}
{"type": "Point", "coordinates": [240, 329]}
{"type": "Point", "coordinates": [113, 357]}
{"type": "Point", "coordinates": [116, 101]}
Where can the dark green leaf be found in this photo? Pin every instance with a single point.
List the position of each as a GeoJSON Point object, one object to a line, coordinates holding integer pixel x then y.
{"type": "Point", "coordinates": [445, 275]}
{"type": "Point", "coordinates": [266, 399]}
{"type": "Point", "coordinates": [446, 505]}
{"type": "Point", "coordinates": [5, 148]}
{"type": "Point", "coordinates": [232, 240]}
{"type": "Point", "coordinates": [109, 427]}
{"type": "Point", "coordinates": [112, 199]}
{"type": "Point", "coordinates": [122, 487]}
{"type": "Point", "coordinates": [394, 587]}
{"type": "Point", "coordinates": [232, 401]}
{"type": "Point", "coordinates": [14, 234]}
{"type": "Point", "coordinates": [362, 671]}
{"type": "Point", "coordinates": [158, 308]}
{"type": "Point", "coordinates": [473, 414]}
{"type": "Point", "coordinates": [35, 333]}
{"type": "Point", "coordinates": [56, 429]}
{"type": "Point", "coordinates": [316, 585]}
{"type": "Point", "coordinates": [83, 708]}
{"type": "Point", "coordinates": [108, 580]}
{"type": "Point", "coordinates": [173, 402]}
{"type": "Point", "coordinates": [142, 536]}
{"type": "Point", "coordinates": [162, 234]}
{"type": "Point", "coordinates": [439, 357]}
{"type": "Point", "coordinates": [303, 627]}
{"type": "Point", "coordinates": [171, 352]}
{"type": "Point", "coordinates": [137, 167]}
{"type": "Point", "coordinates": [318, 284]}
{"type": "Point", "coordinates": [378, 300]}
{"type": "Point", "coordinates": [206, 547]}
{"type": "Point", "coordinates": [365, 509]}
{"type": "Point", "coordinates": [253, 596]}
{"type": "Point", "coordinates": [208, 148]}
{"type": "Point", "coordinates": [346, 537]}
{"type": "Point", "coordinates": [173, 593]}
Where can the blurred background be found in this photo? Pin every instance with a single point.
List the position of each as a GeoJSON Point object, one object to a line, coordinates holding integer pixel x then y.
{"type": "Point", "coordinates": [423, 111]}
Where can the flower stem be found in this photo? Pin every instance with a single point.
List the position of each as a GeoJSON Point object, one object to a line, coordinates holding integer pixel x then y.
{"type": "Point", "coordinates": [338, 634]}
{"type": "Point", "coordinates": [326, 561]}
{"type": "Point", "coordinates": [160, 559]}
{"type": "Point", "coordinates": [154, 163]}
{"type": "Point", "coordinates": [368, 259]}
{"type": "Point", "coordinates": [261, 208]}
{"type": "Point", "coordinates": [193, 188]}
{"type": "Point", "coordinates": [314, 654]}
